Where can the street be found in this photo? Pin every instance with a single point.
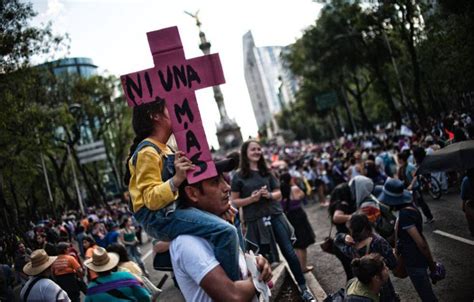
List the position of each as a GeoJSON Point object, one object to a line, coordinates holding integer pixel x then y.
{"type": "Point", "coordinates": [455, 255]}
{"type": "Point", "coordinates": [170, 292]}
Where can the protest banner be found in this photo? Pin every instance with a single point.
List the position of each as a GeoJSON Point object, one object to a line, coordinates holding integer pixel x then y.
{"type": "Point", "coordinates": [175, 80]}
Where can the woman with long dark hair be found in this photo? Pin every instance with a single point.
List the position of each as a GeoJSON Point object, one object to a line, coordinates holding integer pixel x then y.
{"type": "Point", "coordinates": [154, 174]}
{"type": "Point", "coordinates": [257, 192]}
{"type": "Point", "coordinates": [130, 241]}
{"type": "Point", "coordinates": [292, 196]}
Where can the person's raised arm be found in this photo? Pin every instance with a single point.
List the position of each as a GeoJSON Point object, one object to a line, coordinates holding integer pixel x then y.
{"type": "Point", "coordinates": [340, 217]}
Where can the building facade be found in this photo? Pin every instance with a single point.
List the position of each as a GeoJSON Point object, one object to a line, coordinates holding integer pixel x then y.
{"type": "Point", "coordinates": [270, 82]}
{"type": "Point", "coordinates": [76, 67]}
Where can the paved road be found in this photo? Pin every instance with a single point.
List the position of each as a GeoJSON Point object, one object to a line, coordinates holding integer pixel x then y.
{"type": "Point", "coordinates": [170, 292]}
{"type": "Point", "coordinates": [457, 256]}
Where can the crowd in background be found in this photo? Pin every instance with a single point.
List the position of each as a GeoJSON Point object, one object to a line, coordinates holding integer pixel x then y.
{"type": "Point", "coordinates": [343, 175]}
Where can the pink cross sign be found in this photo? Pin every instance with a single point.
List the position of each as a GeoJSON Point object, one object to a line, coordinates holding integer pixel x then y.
{"type": "Point", "coordinates": [174, 79]}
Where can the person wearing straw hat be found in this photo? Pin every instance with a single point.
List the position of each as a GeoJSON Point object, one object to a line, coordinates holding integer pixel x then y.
{"type": "Point", "coordinates": [411, 244]}
{"type": "Point", "coordinates": [111, 285]}
{"type": "Point", "coordinates": [39, 287]}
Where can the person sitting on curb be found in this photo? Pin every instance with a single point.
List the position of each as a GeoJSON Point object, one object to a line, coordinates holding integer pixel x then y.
{"type": "Point", "coordinates": [200, 276]}
{"type": "Point", "coordinates": [111, 285]}
{"type": "Point", "coordinates": [40, 287]}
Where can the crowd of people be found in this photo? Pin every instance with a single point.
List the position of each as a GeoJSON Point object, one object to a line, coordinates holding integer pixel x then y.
{"type": "Point", "coordinates": [71, 241]}
{"type": "Point", "coordinates": [255, 205]}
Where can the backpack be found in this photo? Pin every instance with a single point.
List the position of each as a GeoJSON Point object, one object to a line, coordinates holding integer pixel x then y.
{"type": "Point", "coordinates": [379, 215]}
{"type": "Point", "coordinates": [385, 223]}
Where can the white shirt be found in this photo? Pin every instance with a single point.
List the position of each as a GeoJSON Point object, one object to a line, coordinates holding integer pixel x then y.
{"type": "Point", "coordinates": [193, 258]}
{"type": "Point", "coordinates": [44, 290]}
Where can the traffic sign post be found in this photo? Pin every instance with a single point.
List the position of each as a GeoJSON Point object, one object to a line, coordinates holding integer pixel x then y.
{"type": "Point", "coordinates": [326, 101]}
{"type": "Point", "coordinates": [91, 152]}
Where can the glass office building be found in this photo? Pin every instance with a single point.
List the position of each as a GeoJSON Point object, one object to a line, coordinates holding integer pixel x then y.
{"type": "Point", "coordinates": [83, 67]}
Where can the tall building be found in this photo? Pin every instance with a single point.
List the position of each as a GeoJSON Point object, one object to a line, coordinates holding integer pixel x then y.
{"type": "Point", "coordinates": [270, 82]}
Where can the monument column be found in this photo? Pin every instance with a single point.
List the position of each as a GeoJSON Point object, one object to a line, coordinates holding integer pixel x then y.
{"type": "Point", "coordinates": [228, 132]}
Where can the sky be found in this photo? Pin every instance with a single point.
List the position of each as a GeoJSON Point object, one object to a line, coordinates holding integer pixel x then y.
{"type": "Point", "coordinates": [113, 34]}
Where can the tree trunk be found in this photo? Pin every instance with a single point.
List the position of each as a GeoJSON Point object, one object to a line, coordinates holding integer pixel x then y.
{"type": "Point", "coordinates": [348, 110]}
{"type": "Point", "coordinates": [385, 89]}
{"type": "Point", "coordinates": [360, 106]}
{"type": "Point", "coordinates": [338, 120]}
{"type": "Point", "coordinates": [15, 214]}
{"type": "Point", "coordinates": [408, 37]}
{"type": "Point", "coordinates": [59, 171]}
{"type": "Point", "coordinates": [100, 188]}
{"type": "Point", "coordinates": [93, 194]}
{"type": "Point", "coordinates": [7, 222]}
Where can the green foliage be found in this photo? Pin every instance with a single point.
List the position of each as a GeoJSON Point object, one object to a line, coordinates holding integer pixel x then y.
{"type": "Point", "coordinates": [388, 61]}
{"type": "Point", "coordinates": [19, 41]}
{"type": "Point", "coordinates": [38, 123]}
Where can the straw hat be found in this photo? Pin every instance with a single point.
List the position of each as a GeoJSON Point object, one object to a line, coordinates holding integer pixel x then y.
{"type": "Point", "coordinates": [39, 262]}
{"type": "Point", "coordinates": [102, 261]}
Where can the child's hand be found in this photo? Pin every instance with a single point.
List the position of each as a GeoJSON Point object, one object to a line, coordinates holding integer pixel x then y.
{"type": "Point", "coordinates": [181, 164]}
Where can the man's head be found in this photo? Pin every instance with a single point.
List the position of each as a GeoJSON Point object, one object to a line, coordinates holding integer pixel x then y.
{"type": "Point", "coordinates": [62, 248]}
{"type": "Point", "coordinates": [21, 248]}
{"type": "Point", "coordinates": [212, 194]}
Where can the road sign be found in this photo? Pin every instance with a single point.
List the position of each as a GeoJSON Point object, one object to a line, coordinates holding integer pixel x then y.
{"type": "Point", "coordinates": [326, 101]}
{"type": "Point", "coordinates": [91, 152]}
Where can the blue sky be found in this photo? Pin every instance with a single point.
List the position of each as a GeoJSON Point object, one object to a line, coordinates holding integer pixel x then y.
{"type": "Point", "coordinates": [113, 34]}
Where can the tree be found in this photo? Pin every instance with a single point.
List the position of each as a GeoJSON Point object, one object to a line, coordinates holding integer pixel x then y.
{"type": "Point", "coordinates": [394, 59]}
{"type": "Point", "coordinates": [36, 121]}
{"type": "Point", "coordinates": [19, 41]}
{"type": "Point", "coordinates": [22, 118]}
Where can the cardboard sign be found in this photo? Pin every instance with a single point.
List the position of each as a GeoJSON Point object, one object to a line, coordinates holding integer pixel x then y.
{"type": "Point", "coordinates": [175, 79]}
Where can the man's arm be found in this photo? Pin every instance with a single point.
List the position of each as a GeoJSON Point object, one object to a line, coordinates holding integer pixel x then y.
{"type": "Point", "coordinates": [220, 288]}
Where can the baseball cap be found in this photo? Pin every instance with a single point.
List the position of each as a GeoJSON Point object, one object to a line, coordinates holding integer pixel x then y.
{"type": "Point", "coordinates": [225, 165]}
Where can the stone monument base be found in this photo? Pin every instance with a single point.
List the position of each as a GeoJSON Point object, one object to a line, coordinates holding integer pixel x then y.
{"type": "Point", "coordinates": [228, 135]}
